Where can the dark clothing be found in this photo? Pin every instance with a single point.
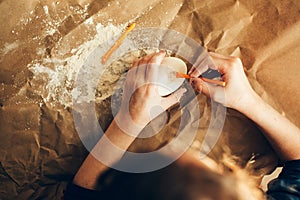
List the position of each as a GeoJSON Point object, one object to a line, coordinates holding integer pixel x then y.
{"type": "Point", "coordinates": [285, 187]}
{"type": "Point", "coordinates": [75, 192]}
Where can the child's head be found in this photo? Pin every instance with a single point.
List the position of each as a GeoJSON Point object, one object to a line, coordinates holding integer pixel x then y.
{"type": "Point", "coordinates": [185, 179]}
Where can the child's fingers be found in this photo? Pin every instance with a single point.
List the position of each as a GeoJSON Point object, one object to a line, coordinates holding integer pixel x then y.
{"type": "Point", "coordinates": [172, 99]}
{"type": "Point", "coordinates": [197, 71]}
{"type": "Point", "coordinates": [202, 64]}
{"type": "Point", "coordinates": [199, 86]}
{"type": "Point", "coordinates": [153, 66]}
{"type": "Point", "coordinates": [223, 63]}
{"type": "Point", "coordinates": [210, 90]}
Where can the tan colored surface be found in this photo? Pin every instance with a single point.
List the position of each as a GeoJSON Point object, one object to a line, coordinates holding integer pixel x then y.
{"type": "Point", "coordinates": [39, 147]}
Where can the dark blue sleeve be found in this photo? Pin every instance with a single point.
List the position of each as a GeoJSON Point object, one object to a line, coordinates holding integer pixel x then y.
{"type": "Point", "coordinates": [287, 185]}
{"type": "Point", "coordinates": [75, 192]}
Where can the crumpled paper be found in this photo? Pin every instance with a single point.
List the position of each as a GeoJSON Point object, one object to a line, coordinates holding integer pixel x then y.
{"type": "Point", "coordinates": [40, 149]}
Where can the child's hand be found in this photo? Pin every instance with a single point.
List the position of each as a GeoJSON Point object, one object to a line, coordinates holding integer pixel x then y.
{"type": "Point", "coordinates": [141, 100]}
{"type": "Point", "coordinates": [237, 91]}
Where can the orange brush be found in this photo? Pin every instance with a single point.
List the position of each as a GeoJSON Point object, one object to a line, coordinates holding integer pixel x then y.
{"type": "Point", "coordinates": [221, 83]}
{"type": "Point", "coordinates": [117, 43]}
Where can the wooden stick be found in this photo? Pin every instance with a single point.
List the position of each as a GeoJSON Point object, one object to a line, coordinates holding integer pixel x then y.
{"type": "Point", "coordinates": [217, 82]}
{"type": "Point", "coordinates": [117, 43]}
{"type": "Point", "coordinates": [221, 83]}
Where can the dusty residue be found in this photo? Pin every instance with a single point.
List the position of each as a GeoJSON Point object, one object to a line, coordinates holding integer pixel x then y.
{"type": "Point", "coordinates": [54, 78]}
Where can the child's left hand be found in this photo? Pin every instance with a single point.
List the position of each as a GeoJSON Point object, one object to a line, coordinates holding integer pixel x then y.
{"type": "Point", "coordinates": [141, 100]}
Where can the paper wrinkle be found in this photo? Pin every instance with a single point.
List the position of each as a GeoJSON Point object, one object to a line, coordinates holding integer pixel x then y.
{"type": "Point", "coordinates": [40, 150]}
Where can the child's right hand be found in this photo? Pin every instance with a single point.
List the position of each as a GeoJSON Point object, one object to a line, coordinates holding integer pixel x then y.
{"type": "Point", "coordinates": [237, 92]}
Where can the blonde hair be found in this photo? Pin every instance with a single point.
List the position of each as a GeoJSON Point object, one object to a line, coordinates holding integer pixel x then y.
{"type": "Point", "coordinates": [181, 180]}
{"type": "Point", "coordinates": [247, 187]}
{"type": "Point", "coordinates": [245, 178]}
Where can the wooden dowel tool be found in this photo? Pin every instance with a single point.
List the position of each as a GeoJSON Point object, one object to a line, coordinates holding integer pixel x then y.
{"type": "Point", "coordinates": [217, 82]}
{"type": "Point", "coordinates": [117, 43]}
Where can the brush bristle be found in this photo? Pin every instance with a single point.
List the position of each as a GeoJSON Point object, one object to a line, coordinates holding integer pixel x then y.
{"type": "Point", "coordinates": [181, 75]}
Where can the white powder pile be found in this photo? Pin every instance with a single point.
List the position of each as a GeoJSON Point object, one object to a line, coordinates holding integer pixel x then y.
{"type": "Point", "coordinates": [54, 78]}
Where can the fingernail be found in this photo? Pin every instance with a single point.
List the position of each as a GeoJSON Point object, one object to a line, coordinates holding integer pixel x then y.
{"type": "Point", "coordinates": [162, 51]}
{"type": "Point", "coordinates": [193, 81]}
